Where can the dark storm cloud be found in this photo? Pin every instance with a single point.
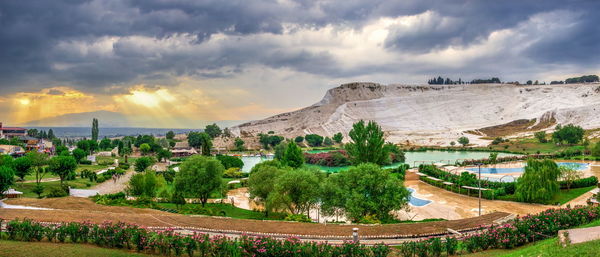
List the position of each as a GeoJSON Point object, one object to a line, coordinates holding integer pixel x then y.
{"type": "Point", "coordinates": [32, 32]}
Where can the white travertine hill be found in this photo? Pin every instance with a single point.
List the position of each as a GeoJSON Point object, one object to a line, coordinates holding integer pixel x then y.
{"type": "Point", "coordinates": [438, 114]}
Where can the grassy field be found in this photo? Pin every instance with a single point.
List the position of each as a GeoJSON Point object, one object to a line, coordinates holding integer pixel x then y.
{"type": "Point", "coordinates": [563, 197]}
{"type": "Point", "coordinates": [27, 188]}
{"type": "Point", "coordinates": [79, 169]}
{"type": "Point", "coordinates": [34, 249]}
{"type": "Point", "coordinates": [226, 210]}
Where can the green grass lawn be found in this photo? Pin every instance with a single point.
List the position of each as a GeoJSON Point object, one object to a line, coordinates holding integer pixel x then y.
{"type": "Point", "coordinates": [80, 167]}
{"type": "Point", "coordinates": [563, 197]}
{"type": "Point", "coordinates": [227, 210]}
{"type": "Point", "coordinates": [34, 249]}
{"type": "Point", "coordinates": [27, 188]}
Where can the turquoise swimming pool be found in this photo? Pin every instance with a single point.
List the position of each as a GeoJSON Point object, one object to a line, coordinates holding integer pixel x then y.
{"type": "Point", "coordinates": [572, 165]}
{"type": "Point", "coordinates": [414, 201]}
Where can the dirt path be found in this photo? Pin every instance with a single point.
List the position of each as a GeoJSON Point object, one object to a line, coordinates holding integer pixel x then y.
{"type": "Point", "coordinates": [111, 187]}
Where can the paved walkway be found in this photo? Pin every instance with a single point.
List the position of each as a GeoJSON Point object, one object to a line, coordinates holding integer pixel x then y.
{"type": "Point", "coordinates": [580, 235]}
{"type": "Point", "coordinates": [451, 206]}
{"type": "Point", "coordinates": [110, 187]}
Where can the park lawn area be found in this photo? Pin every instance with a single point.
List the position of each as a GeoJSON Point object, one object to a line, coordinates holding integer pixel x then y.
{"type": "Point", "coordinates": [226, 210]}
{"type": "Point", "coordinates": [567, 195]}
{"type": "Point", "coordinates": [80, 167]}
{"type": "Point", "coordinates": [27, 188]}
{"type": "Point", "coordinates": [111, 160]}
{"type": "Point", "coordinates": [564, 196]}
{"type": "Point", "coordinates": [548, 247]}
{"type": "Point", "coordinates": [34, 249]}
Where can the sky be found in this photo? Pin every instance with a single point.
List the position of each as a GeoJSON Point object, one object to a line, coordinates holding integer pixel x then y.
{"type": "Point", "coordinates": [180, 63]}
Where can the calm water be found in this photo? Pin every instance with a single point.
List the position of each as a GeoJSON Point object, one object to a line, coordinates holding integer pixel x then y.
{"type": "Point", "coordinates": [572, 165]}
{"type": "Point", "coordinates": [412, 158]}
{"type": "Point", "coordinates": [414, 201]}
{"type": "Point", "coordinates": [74, 132]}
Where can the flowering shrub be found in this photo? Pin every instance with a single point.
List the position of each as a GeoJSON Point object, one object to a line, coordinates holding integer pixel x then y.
{"type": "Point", "coordinates": [167, 242]}
{"type": "Point", "coordinates": [512, 234]}
{"type": "Point", "coordinates": [330, 159]}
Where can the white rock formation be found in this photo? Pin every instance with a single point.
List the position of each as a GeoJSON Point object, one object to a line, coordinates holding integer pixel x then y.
{"type": "Point", "coordinates": [435, 114]}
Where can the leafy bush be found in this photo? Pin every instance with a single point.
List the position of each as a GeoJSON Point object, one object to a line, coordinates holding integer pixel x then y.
{"type": "Point", "coordinates": [298, 218]}
{"type": "Point", "coordinates": [85, 162]}
{"type": "Point", "coordinates": [56, 192]}
{"type": "Point", "coordinates": [330, 159]}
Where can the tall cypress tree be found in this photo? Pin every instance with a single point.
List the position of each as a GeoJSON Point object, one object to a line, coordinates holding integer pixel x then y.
{"type": "Point", "coordinates": [95, 129]}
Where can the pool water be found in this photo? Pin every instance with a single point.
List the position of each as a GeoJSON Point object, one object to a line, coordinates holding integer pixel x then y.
{"type": "Point", "coordinates": [412, 158]}
{"type": "Point", "coordinates": [572, 165]}
{"type": "Point", "coordinates": [414, 201]}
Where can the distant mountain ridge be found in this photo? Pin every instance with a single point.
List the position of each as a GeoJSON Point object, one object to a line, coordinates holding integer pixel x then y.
{"type": "Point", "coordinates": [438, 114]}
{"type": "Point", "coordinates": [117, 120]}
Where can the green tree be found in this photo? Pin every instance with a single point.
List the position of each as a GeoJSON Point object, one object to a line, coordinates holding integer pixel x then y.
{"type": "Point", "coordinates": [145, 149]}
{"type": "Point", "coordinates": [6, 160]}
{"type": "Point", "coordinates": [178, 199]}
{"type": "Point", "coordinates": [143, 184]}
{"type": "Point", "coordinates": [164, 154]}
{"type": "Point", "coordinates": [84, 145]}
{"type": "Point", "coordinates": [51, 134]}
{"type": "Point", "coordinates": [170, 135]}
{"type": "Point", "coordinates": [493, 157]}
{"type": "Point", "coordinates": [199, 177]}
{"type": "Point", "coordinates": [541, 136]}
{"type": "Point", "coordinates": [452, 143]}
{"type": "Point", "coordinates": [338, 137]}
{"type": "Point", "coordinates": [261, 181]}
{"type": "Point", "coordinates": [314, 140]}
{"type": "Point", "coordinates": [63, 166]}
{"type": "Point", "coordinates": [22, 166]}
{"type": "Point", "coordinates": [364, 190]}
{"type": "Point", "coordinates": [570, 133]}
{"type": "Point", "coordinates": [569, 175]}
{"type": "Point", "coordinates": [367, 144]}
{"type": "Point", "coordinates": [142, 163]}
{"type": "Point", "coordinates": [213, 130]}
{"type": "Point", "coordinates": [539, 182]}
{"type": "Point", "coordinates": [296, 190]}
{"type": "Point", "coordinates": [267, 140]}
{"type": "Point", "coordinates": [299, 139]}
{"type": "Point", "coordinates": [200, 140]}
{"type": "Point", "coordinates": [79, 154]}
{"type": "Point", "coordinates": [226, 132]}
{"type": "Point", "coordinates": [239, 144]}
{"type": "Point", "coordinates": [38, 161]}
{"type": "Point", "coordinates": [95, 130]}
{"type": "Point", "coordinates": [7, 178]}
{"type": "Point", "coordinates": [293, 156]}
{"type": "Point", "coordinates": [230, 161]}
{"type": "Point", "coordinates": [463, 141]}
{"type": "Point", "coordinates": [596, 150]}
{"type": "Point", "coordinates": [280, 150]}
{"type": "Point", "coordinates": [327, 141]}
{"type": "Point", "coordinates": [105, 144]}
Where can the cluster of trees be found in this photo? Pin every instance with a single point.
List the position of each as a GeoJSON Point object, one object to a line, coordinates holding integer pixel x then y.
{"type": "Point", "coordinates": [582, 79]}
{"type": "Point", "coordinates": [269, 140]}
{"type": "Point", "coordinates": [362, 191]}
{"type": "Point", "coordinates": [569, 134]}
{"type": "Point", "coordinates": [440, 81]}
{"type": "Point", "coordinates": [63, 166]}
{"type": "Point", "coordinates": [200, 140]}
{"type": "Point", "coordinates": [41, 134]}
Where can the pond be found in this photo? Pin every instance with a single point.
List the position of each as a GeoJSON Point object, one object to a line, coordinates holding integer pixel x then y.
{"type": "Point", "coordinates": [412, 158]}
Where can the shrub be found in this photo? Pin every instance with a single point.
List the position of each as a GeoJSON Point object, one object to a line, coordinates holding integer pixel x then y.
{"type": "Point", "coordinates": [85, 162]}
{"type": "Point", "coordinates": [298, 218]}
{"type": "Point", "coordinates": [57, 192]}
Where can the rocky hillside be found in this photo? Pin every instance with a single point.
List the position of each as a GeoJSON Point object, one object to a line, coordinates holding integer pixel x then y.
{"type": "Point", "coordinates": [438, 114]}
